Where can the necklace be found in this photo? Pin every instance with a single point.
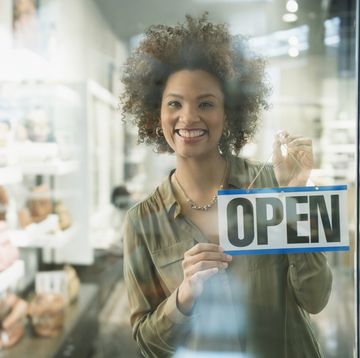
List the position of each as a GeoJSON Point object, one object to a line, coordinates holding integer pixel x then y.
{"type": "Point", "coordinates": [192, 203]}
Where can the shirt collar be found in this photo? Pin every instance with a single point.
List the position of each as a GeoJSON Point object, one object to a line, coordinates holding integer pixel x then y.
{"type": "Point", "coordinates": [237, 178]}
{"type": "Point", "coordinates": [167, 194]}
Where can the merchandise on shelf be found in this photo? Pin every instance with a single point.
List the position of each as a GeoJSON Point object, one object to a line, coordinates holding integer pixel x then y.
{"type": "Point", "coordinates": [63, 213]}
{"type": "Point", "coordinates": [8, 252]}
{"type": "Point", "coordinates": [5, 140]}
{"type": "Point", "coordinates": [73, 283]}
{"type": "Point", "coordinates": [13, 312]}
{"type": "Point", "coordinates": [4, 201]}
{"type": "Point", "coordinates": [38, 126]}
{"type": "Point", "coordinates": [39, 203]}
{"type": "Point", "coordinates": [42, 215]}
{"type": "Point", "coordinates": [47, 314]}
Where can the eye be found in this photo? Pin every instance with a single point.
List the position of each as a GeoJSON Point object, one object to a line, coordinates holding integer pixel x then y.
{"type": "Point", "coordinates": [174, 104]}
{"type": "Point", "coordinates": [206, 105]}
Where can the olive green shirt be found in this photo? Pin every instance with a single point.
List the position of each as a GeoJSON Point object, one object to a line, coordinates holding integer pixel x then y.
{"type": "Point", "coordinates": [259, 306]}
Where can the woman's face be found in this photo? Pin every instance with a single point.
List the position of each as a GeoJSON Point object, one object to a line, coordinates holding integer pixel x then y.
{"type": "Point", "coordinates": [192, 113]}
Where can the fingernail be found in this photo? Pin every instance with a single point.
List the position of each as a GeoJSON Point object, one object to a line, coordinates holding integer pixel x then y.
{"type": "Point", "coordinates": [221, 249]}
{"type": "Point", "coordinates": [228, 257]}
{"type": "Point", "coordinates": [225, 265]}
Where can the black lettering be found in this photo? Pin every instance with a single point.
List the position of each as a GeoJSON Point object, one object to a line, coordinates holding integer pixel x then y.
{"type": "Point", "coordinates": [292, 218]}
{"type": "Point", "coordinates": [232, 220]}
{"type": "Point", "coordinates": [332, 231]}
{"type": "Point", "coordinates": [262, 222]}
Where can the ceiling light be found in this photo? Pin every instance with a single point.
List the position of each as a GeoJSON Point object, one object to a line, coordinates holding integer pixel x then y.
{"type": "Point", "coordinates": [292, 6]}
{"type": "Point", "coordinates": [289, 17]}
{"type": "Point", "coordinates": [293, 52]}
{"type": "Point", "coordinates": [293, 41]}
{"type": "Point", "coordinates": [221, 2]}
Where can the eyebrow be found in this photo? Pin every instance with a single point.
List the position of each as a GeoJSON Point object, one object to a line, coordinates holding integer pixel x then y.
{"type": "Point", "coordinates": [199, 97]}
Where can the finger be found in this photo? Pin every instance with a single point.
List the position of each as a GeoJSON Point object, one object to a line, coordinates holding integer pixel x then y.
{"type": "Point", "coordinates": [206, 265]}
{"type": "Point", "coordinates": [210, 256]}
{"type": "Point", "coordinates": [216, 258]}
{"type": "Point", "coordinates": [277, 154]}
{"type": "Point", "coordinates": [300, 140]}
{"type": "Point", "coordinates": [282, 135]}
{"type": "Point", "coordinates": [204, 247]}
{"type": "Point", "coordinates": [299, 148]}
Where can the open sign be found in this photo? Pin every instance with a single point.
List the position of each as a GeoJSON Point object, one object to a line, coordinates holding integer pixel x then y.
{"type": "Point", "coordinates": [283, 220]}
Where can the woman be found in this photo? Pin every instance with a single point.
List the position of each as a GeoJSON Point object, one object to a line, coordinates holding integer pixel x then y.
{"type": "Point", "coordinates": [196, 91]}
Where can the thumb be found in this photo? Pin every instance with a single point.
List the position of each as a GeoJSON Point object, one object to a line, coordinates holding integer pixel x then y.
{"type": "Point", "coordinates": [277, 154]}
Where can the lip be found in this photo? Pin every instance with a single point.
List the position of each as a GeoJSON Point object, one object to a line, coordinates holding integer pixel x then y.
{"type": "Point", "coordinates": [190, 135]}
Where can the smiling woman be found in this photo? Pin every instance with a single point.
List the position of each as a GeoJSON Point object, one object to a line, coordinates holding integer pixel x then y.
{"type": "Point", "coordinates": [195, 90]}
{"type": "Point", "coordinates": [196, 44]}
{"type": "Point", "coordinates": [192, 113]}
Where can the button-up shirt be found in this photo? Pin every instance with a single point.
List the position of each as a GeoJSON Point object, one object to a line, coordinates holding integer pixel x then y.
{"type": "Point", "coordinates": [259, 306]}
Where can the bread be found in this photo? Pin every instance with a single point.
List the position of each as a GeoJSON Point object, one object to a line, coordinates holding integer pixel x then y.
{"type": "Point", "coordinates": [47, 314]}
{"type": "Point", "coordinates": [12, 323]}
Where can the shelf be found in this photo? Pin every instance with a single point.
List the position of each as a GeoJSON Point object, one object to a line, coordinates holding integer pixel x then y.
{"type": "Point", "coordinates": [341, 148]}
{"type": "Point", "coordinates": [11, 275]}
{"type": "Point", "coordinates": [53, 167]}
{"type": "Point", "coordinates": [341, 124]}
{"type": "Point", "coordinates": [10, 175]}
{"type": "Point", "coordinates": [27, 238]}
{"type": "Point", "coordinates": [41, 151]}
{"type": "Point", "coordinates": [74, 340]}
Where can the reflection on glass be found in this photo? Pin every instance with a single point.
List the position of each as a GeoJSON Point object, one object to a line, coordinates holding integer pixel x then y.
{"type": "Point", "coordinates": [260, 303]}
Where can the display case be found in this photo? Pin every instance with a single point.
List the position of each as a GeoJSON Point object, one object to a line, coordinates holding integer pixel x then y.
{"type": "Point", "coordinates": [40, 159]}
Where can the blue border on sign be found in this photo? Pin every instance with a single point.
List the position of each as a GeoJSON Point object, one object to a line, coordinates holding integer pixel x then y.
{"type": "Point", "coordinates": [282, 189]}
{"type": "Point", "coordinates": [286, 251]}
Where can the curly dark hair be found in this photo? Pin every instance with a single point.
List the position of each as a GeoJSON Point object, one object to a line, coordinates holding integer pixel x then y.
{"type": "Point", "coordinates": [196, 44]}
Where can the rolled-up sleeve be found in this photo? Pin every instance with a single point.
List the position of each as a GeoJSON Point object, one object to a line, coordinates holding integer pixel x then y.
{"type": "Point", "coordinates": [310, 279]}
{"type": "Point", "coordinates": [158, 325]}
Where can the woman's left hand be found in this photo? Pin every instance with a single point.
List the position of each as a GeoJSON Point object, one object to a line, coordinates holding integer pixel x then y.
{"type": "Point", "coordinates": [293, 167]}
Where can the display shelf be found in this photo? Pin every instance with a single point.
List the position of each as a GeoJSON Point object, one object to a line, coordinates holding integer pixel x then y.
{"type": "Point", "coordinates": [53, 167]}
{"type": "Point", "coordinates": [33, 239]}
{"type": "Point", "coordinates": [341, 124]}
{"type": "Point", "coordinates": [10, 175]}
{"type": "Point", "coordinates": [33, 150]}
{"type": "Point", "coordinates": [11, 275]}
{"type": "Point", "coordinates": [75, 339]}
{"type": "Point", "coordinates": [342, 148]}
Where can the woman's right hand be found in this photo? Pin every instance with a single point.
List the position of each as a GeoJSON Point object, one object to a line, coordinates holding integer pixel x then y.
{"type": "Point", "coordinates": [200, 263]}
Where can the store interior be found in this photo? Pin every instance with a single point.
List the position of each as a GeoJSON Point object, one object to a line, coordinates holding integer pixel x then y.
{"type": "Point", "coordinates": [71, 165]}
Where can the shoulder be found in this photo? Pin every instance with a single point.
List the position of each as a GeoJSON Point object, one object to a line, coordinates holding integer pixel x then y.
{"type": "Point", "coordinates": [152, 209]}
{"type": "Point", "coordinates": [142, 209]}
{"type": "Point", "coordinates": [249, 170]}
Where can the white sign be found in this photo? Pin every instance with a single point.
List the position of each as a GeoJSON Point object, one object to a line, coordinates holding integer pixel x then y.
{"type": "Point", "coordinates": [283, 220]}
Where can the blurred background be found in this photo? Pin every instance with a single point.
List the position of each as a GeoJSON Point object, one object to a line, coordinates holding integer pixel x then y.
{"type": "Point", "coordinates": [70, 167]}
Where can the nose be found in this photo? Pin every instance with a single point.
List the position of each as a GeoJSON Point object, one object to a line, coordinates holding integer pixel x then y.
{"type": "Point", "coordinates": [189, 115]}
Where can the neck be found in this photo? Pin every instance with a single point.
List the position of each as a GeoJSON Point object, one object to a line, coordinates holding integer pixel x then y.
{"type": "Point", "coordinates": [200, 178]}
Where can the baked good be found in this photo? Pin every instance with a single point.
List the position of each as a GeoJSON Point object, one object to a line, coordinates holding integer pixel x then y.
{"type": "Point", "coordinates": [40, 204]}
{"type": "Point", "coordinates": [12, 324]}
{"type": "Point", "coordinates": [47, 314]}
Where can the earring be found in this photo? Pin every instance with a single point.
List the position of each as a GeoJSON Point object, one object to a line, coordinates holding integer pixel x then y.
{"type": "Point", "coordinates": [226, 133]}
{"type": "Point", "coordinates": [159, 132]}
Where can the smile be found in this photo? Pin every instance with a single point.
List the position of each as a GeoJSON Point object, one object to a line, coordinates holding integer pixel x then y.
{"type": "Point", "coordinates": [190, 133]}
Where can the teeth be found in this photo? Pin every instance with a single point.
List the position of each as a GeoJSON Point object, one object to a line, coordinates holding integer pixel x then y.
{"type": "Point", "coordinates": [189, 133]}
